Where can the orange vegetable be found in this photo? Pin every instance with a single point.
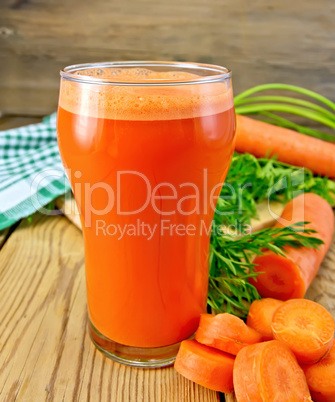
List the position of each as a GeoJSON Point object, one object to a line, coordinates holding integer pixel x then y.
{"type": "Point", "coordinates": [205, 366]}
{"type": "Point", "coordinates": [289, 277]}
{"type": "Point", "coordinates": [260, 316]}
{"type": "Point", "coordinates": [263, 139]}
{"type": "Point", "coordinates": [306, 327]}
{"type": "Point", "coordinates": [321, 378]}
{"type": "Point", "coordinates": [225, 332]}
{"type": "Point", "coordinates": [269, 372]}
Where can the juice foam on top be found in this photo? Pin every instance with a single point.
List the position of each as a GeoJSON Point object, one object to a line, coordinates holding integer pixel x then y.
{"type": "Point", "coordinates": [152, 102]}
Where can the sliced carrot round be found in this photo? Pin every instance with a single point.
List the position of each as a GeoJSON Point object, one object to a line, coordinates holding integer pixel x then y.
{"type": "Point", "coordinates": [268, 371]}
{"type": "Point", "coordinates": [260, 316]}
{"type": "Point", "coordinates": [225, 332]}
{"type": "Point", "coordinates": [306, 327]}
{"type": "Point", "coordinates": [279, 277]}
{"type": "Point", "coordinates": [205, 366]}
{"type": "Point", "coordinates": [321, 378]}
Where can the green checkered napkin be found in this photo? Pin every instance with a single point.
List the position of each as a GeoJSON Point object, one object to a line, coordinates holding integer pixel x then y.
{"type": "Point", "coordinates": [31, 171]}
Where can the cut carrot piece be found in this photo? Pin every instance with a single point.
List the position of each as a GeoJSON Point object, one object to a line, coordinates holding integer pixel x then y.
{"type": "Point", "coordinates": [264, 139]}
{"type": "Point", "coordinates": [279, 277]}
{"type": "Point", "coordinates": [205, 366]}
{"type": "Point", "coordinates": [269, 372]}
{"type": "Point", "coordinates": [289, 277]}
{"type": "Point", "coordinates": [306, 328]}
{"type": "Point", "coordinates": [321, 378]}
{"type": "Point", "coordinates": [260, 316]}
{"type": "Point", "coordinates": [225, 332]}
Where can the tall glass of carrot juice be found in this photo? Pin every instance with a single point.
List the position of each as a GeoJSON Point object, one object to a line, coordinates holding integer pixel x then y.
{"type": "Point", "coordinates": [146, 146]}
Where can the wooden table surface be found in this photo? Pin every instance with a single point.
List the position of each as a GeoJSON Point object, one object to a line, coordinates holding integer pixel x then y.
{"type": "Point", "coordinates": [46, 353]}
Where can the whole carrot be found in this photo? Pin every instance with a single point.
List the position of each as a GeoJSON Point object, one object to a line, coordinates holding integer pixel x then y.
{"type": "Point", "coordinates": [264, 139]}
{"type": "Point", "coordinates": [289, 277]}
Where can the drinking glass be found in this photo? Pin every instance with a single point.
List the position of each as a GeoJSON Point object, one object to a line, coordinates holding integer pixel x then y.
{"type": "Point", "coordinates": [146, 147]}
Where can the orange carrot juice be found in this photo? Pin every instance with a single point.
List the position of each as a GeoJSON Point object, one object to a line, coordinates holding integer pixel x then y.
{"type": "Point", "coordinates": [145, 164]}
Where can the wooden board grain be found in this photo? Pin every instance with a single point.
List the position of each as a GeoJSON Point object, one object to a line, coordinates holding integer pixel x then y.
{"type": "Point", "coordinates": [322, 289]}
{"type": "Point", "coordinates": [46, 354]}
{"type": "Point", "coordinates": [261, 41]}
{"type": "Point", "coordinates": [9, 122]}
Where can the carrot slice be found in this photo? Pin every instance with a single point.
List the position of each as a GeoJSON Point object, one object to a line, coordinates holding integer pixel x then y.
{"type": "Point", "coordinates": [269, 371]}
{"type": "Point", "coordinates": [289, 277]}
{"type": "Point", "coordinates": [225, 332]}
{"type": "Point", "coordinates": [260, 316]}
{"type": "Point", "coordinates": [205, 366]}
{"type": "Point", "coordinates": [263, 139]}
{"type": "Point", "coordinates": [306, 327]}
{"type": "Point", "coordinates": [321, 378]}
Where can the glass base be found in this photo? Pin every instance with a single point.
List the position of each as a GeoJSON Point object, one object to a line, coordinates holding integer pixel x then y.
{"type": "Point", "coordinates": [133, 356]}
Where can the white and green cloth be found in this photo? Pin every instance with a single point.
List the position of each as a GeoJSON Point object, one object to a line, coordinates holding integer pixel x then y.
{"type": "Point", "coordinates": [31, 171]}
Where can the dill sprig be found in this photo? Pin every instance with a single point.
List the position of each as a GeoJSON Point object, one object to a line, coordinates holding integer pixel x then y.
{"type": "Point", "coordinates": [231, 263]}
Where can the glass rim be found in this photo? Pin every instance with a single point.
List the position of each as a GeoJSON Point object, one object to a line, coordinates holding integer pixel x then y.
{"type": "Point", "coordinates": [219, 73]}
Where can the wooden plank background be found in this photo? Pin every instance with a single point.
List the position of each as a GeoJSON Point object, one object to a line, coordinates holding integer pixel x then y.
{"type": "Point", "coordinates": [261, 41]}
{"type": "Point", "coordinates": [46, 353]}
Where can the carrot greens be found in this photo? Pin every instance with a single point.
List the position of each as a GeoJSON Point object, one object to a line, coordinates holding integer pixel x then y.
{"type": "Point", "coordinates": [267, 106]}
{"type": "Point", "coordinates": [251, 180]}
